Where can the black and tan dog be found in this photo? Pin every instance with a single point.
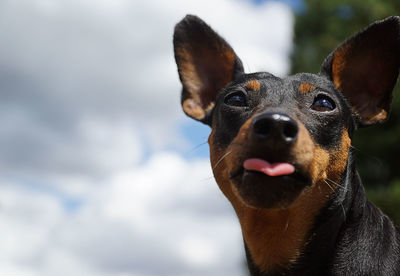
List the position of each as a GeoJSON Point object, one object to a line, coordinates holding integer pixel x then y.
{"type": "Point", "coordinates": [281, 149]}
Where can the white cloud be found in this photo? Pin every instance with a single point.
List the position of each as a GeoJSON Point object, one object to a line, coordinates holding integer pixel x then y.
{"type": "Point", "coordinates": [88, 92]}
{"type": "Point", "coordinates": [62, 61]}
{"type": "Point", "coordinates": [165, 217]}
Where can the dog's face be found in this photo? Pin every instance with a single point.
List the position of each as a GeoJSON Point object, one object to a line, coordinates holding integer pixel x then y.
{"type": "Point", "coordinates": [298, 125]}
{"type": "Point", "coordinates": [280, 142]}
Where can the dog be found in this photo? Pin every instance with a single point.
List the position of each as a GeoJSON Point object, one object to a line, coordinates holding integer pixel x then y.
{"type": "Point", "coordinates": [280, 149]}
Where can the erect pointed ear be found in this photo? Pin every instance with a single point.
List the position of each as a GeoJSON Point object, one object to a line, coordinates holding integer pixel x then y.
{"type": "Point", "coordinates": [365, 68]}
{"type": "Point", "coordinates": [206, 64]}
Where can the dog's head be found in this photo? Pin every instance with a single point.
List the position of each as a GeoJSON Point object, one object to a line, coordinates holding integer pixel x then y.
{"type": "Point", "coordinates": [276, 142]}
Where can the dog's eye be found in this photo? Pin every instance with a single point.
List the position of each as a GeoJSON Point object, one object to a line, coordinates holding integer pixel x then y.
{"type": "Point", "coordinates": [323, 103]}
{"type": "Point", "coordinates": [236, 99]}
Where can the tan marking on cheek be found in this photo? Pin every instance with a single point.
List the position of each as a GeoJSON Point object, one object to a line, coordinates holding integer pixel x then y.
{"type": "Point", "coordinates": [304, 147]}
{"type": "Point", "coordinates": [226, 160]}
{"type": "Point", "coordinates": [319, 164]}
{"type": "Point", "coordinates": [306, 87]}
{"type": "Point", "coordinates": [219, 158]}
{"type": "Point", "coordinates": [338, 159]}
{"type": "Point", "coordinates": [253, 85]}
{"type": "Point", "coordinates": [329, 166]}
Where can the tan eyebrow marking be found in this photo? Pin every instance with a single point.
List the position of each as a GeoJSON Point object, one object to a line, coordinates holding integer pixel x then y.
{"type": "Point", "coordinates": [253, 85]}
{"type": "Point", "coordinates": [306, 87]}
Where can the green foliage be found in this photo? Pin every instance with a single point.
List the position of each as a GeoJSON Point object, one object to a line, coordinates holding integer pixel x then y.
{"type": "Point", "coordinates": [388, 200]}
{"type": "Point", "coordinates": [323, 25]}
{"type": "Point", "coordinates": [319, 29]}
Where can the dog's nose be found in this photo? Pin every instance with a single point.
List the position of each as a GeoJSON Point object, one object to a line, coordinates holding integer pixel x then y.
{"type": "Point", "coordinates": [275, 127]}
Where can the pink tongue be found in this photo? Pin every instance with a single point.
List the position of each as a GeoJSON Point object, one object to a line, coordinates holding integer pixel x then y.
{"type": "Point", "coordinates": [275, 169]}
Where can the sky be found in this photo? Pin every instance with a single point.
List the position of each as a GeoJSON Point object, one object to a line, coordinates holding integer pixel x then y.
{"type": "Point", "coordinates": [101, 173]}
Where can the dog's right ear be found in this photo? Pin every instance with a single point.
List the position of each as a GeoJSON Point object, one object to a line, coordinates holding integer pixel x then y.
{"type": "Point", "coordinates": [206, 64]}
{"type": "Point", "coordinates": [365, 68]}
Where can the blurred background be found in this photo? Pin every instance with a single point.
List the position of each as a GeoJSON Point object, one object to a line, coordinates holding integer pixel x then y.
{"type": "Point", "coordinates": [100, 171]}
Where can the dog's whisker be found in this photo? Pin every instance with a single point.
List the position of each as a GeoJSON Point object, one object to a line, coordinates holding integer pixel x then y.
{"type": "Point", "coordinates": [329, 185]}
{"type": "Point", "coordinates": [199, 145]}
{"type": "Point", "coordinates": [344, 212]}
{"type": "Point", "coordinates": [354, 148]}
{"type": "Point", "coordinates": [335, 183]}
{"type": "Point", "coordinates": [341, 205]}
{"type": "Point", "coordinates": [208, 178]}
{"type": "Point", "coordinates": [222, 158]}
{"type": "Point", "coordinates": [287, 224]}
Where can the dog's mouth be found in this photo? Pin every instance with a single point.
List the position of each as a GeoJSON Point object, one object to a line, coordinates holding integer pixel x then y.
{"type": "Point", "coordinates": [270, 169]}
{"type": "Point", "coordinates": [263, 184]}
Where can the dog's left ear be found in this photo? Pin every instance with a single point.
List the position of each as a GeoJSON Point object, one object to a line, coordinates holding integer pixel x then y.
{"type": "Point", "coordinates": [365, 68]}
{"type": "Point", "coordinates": [206, 64]}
